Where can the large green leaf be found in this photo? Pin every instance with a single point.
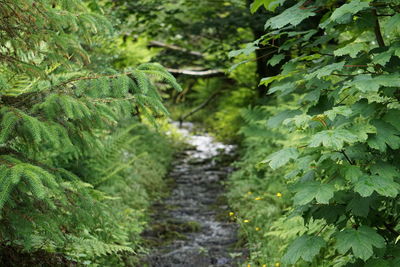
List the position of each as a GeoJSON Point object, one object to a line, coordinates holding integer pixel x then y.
{"type": "Point", "coordinates": [305, 247]}
{"type": "Point", "coordinates": [292, 16]}
{"type": "Point", "coordinates": [352, 7]}
{"type": "Point", "coordinates": [384, 57]}
{"type": "Point", "coordinates": [352, 173]}
{"type": "Point", "coordinates": [326, 70]}
{"type": "Point", "coordinates": [393, 24]}
{"type": "Point", "coordinates": [383, 185]}
{"type": "Point", "coordinates": [276, 120]}
{"type": "Point", "coordinates": [392, 117]}
{"type": "Point", "coordinates": [384, 169]}
{"type": "Point", "coordinates": [361, 241]}
{"type": "Point", "coordinates": [308, 191]}
{"type": "Point", "coordinates": [247, 50]}
{"type": "Point", "coordinates": [257, 4]}
{"type": "Point", "coordinates": [366, 83]}
{"type": "Point", "coordinates": [270, 5]}
{"type": "Point", "coordinates": [300, 121]}
{"type": "Point", "coordinates": [362, 130]}
{"type": "Point", "coordinates": [333, 139]}
{"type": "Point", "coordinates": [352, 50]}
{"type": "Point", "coordinates": [340, 110]}
{"type": "Point", "coordinates": [267, 80]}
{"type": "Point", "coordinates": [281, 157]}
{"type": "Point", "coordinates": [386, 135]}
{"type": "Point", "coordinates": [276, 59]}
{"type": "Point", "coordinates": [286, 88]}
{"type": "Point", "coordinates": [359, 206]}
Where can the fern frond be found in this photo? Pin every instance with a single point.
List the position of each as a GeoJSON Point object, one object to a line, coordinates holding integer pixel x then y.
{"type": "Point", "coordinates": [158, 71]}
{"type": "Point", "coordinates": [8, 122]}
{"type": "Point", "coordinates": [142, 82]}
{"type": "Point", "coordinates": [6, 185]}
{"type": "Point", "coordinates": [97, 247]}
{"type": "Point", "coordinates": [36, 186]}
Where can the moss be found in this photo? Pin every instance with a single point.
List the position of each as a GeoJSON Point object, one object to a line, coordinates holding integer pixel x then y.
{"type": "Point", "coordinates": [165, 232]}
{"type": "Point", "coordinates": [191, 226]}
{"type": "Point", "coordinates": [221, 208]}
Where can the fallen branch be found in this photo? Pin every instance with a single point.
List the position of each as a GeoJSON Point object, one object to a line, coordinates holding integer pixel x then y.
{"type": "Point", "coordinates": [174, 47]}
{"type": "Point", "coordinates": [201, 73]}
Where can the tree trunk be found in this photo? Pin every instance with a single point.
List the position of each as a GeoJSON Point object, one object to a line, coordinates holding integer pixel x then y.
{"type": "Point", "coordinates": [265, 53]}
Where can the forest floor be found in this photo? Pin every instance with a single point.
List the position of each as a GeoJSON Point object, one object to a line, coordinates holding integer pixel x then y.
{"type": "Point", "coordinates": [192, 227]}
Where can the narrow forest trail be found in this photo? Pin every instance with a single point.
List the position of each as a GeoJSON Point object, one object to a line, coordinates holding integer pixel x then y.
{"type": "Point", "coordinates": [191, 226]}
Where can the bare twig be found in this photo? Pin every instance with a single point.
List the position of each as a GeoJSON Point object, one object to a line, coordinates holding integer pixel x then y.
{"type": "Point", "coordinates": [202, 105]}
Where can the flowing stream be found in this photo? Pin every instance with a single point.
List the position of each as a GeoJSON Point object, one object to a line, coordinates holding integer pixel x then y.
{"type": "Point", "coordinates": [191, 226]}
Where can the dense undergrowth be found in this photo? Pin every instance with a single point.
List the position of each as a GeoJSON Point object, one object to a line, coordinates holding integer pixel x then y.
{"type": "Point", "coordinates": [80, 158]}
{"type": "Point", "coordinates": [313, 103]}
{"type": "Point", "coordinates": [99, 222]}
{"type": "Point", "coordinates": [318, 182]}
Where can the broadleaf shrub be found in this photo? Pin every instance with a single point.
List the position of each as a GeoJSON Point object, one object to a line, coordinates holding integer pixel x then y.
{"type": "Point", "coordinates": [334, 104]}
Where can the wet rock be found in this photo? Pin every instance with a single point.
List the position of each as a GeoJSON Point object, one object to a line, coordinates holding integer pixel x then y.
{"type": "Point", "coordinates": [187, 227]}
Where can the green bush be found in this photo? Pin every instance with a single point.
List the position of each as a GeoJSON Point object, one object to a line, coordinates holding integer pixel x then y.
{"type": "Point", "coordinates": [336, 99]}
{"type": "Point", "coordinates": [78, 165]}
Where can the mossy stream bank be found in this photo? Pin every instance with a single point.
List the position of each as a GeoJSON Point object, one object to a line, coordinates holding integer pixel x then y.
{"type": "Point", "coordinates": [191, 227]}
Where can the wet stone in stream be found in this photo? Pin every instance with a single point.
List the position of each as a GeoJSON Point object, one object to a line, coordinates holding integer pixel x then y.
{"type": "Point", "coordinates": [185, 230]}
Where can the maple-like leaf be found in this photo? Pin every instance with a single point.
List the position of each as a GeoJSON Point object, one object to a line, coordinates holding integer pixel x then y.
{"type": "Point", "coordinates": [361, 241]}
{"type": "Point", "coordinates": [366, 83]}
{"type": "Point", "coordinates": [383, 185]}
{"type": "Point", "coordinates": [292, 16]}
{"type": "Point", "coordinates": [269, 5]}
{"type": "Point", "coordinates": [305, 247]}
{"type": "Point", "coordinates": [308, 191]}
{"type": "Point", "coordinates": [326, 70]}
{"type": "Point", "coordinates": [334, 139]}
{"type": "Point", "coordinates": [281, 157]}
{"type": "Point", "coordinates": [352, 50]}
{"type": "Point", "coordinates": [386, 135]}
{"type": "Point", "coordinates": [352, 7]}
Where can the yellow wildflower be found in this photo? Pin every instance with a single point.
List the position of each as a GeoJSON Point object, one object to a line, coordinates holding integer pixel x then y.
{"type": "Point", "coordinates": [258, 229]}
{"type": "Point", "coordinates": [248, 265]}
{"type": "Point", "coordinates": [278, 194]}
{"type": "Point", "coordinates": [246, 221]}
{"type": "Point", "coordinates": [258, 198]}
{"type": "Point", "coordinates": [231, 213]}
{"type": "Point", "coordinates": [277, 264]}
{"type": "Point", "coordinates": [249, 193]}
{"type": "Point", "coordinates": [264, 265]}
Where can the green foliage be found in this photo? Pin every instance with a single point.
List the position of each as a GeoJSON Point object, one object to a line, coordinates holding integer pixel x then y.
{"type": "Point", "coordinates": [305, 247]}
{"type": "Point", "coordinates": [182, 24]}
{"type": "Point", "coordinates": [78, 165]}
{"type": "Point", "coordinates": [293, 16]}
{"type": "Point", "coordinates": [257, 193]}
{"type": "Point", "coordinates": [281, 157]}
{"type": "Point", "coordinates": [351, 8]}
{"type": "Point", "coordinates": [361, 241]}
{"type": "Point", "coordinates": [308, 191]}
{"type": "Point", "coordinates": [268, 4]}
{"type": "Point", "coordinates": [332, 130]}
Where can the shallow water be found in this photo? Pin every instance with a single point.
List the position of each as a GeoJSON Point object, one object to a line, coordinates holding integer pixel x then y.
{"type": "Point", "coordinates": [187, 227]}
